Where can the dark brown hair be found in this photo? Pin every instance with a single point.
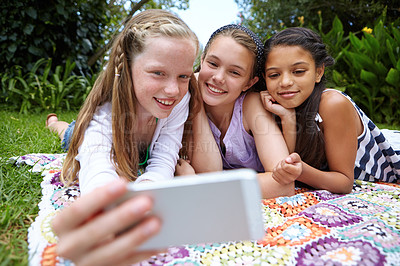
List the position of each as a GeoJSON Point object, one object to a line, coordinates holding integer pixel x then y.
{"type": "Point", "coordinates": [310, 140]}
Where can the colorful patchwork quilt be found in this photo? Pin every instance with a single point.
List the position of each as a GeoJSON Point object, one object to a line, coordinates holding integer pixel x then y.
{"type": "Point", "coordinates": [313, 227]}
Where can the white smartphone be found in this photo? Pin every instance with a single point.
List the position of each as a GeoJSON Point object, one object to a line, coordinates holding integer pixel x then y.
{"type": "Point", "coordinates": [206, 208]}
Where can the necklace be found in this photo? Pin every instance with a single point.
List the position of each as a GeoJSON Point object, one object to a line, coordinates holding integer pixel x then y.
{"type": "Point", "coordinates": [147, 152]}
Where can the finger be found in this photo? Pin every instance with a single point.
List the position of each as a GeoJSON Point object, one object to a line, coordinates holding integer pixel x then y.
{"type": "Point", "coordinates": [124, 247]}
{"type": "Point", "coordinates": [104, 226]}
{"type": "Point", "coordinates": [268, 104]}
{"type": "Point", "coordinates": [278, 177]}
{"type": "Point", "coordinates": [285, 173]}
{"type": "Point", "coordinates": [294, 157]}
{"type": "Point", "coordinates": [277, 172]}
{"type": "Point", "coordinates": [87, 206]}
{"type": "Point", "coordinates": [292, 171]}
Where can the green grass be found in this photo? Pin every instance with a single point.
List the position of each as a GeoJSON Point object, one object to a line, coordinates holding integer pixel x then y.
{"type": "Point", "coordinates": [382, 126]}
{"type": "Point", "coordinates": [20, 190]}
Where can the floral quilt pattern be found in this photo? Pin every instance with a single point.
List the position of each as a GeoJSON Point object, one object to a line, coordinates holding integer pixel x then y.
{"type": "Point", "coordinates": [313, 227]}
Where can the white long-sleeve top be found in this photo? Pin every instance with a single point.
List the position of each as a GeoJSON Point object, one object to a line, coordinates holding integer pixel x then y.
{"type": "Point", "coordinates": [94, 153]}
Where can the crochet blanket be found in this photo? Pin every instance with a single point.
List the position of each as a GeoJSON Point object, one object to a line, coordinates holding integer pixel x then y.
{"type": "Point", "coordinates": [314, 227]}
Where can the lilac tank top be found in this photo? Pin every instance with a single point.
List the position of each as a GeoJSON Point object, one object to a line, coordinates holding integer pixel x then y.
{"type": "Point", "coordinates": [240, 148]}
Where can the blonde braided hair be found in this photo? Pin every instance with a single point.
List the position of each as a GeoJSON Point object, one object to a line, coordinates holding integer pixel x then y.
{"type": "Point", "coordinates": [114, 85]}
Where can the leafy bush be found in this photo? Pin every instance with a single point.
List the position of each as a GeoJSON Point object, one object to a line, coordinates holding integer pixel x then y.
{"type": "Point", "coordinates": [337, 43]}
{"type": "Point", "coordinates": [44, 90]}
{"type": "Point", "coordinates": [58, 29]}
{"type": "Point", "coordinates": [368, 67]}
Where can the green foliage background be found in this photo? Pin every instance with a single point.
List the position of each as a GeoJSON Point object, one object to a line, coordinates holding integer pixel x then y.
{"type": "Point", "coordinates": [57, 29]}
{"type": "Point", "coordinates": [266, 17]}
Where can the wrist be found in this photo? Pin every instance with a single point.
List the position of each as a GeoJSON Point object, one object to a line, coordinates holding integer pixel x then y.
{"type": "Point", "coordinates": [288, 117]}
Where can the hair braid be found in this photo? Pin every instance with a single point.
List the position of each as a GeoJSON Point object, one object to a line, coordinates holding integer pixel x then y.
{"type": "Point", "coordinates": [123, 99]}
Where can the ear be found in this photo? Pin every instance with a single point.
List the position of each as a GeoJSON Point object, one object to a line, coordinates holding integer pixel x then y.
{"type": "Point", "coordinates": [250, 83]}
{"type": "Point", "coordinates": [319, 73]}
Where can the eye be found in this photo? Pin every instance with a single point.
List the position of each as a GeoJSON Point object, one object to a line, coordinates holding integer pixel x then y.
{"type": "Point", "coordinates": [184, 76]}
{"type": "Point", "coordinates": [235, 73]}
{"type": "Point", "coordinates": [158, 73]}
{"type": "Point", "coordinates": [299, 71]}
{"type": "Point", "coordinates": [273, 75]}
{"type": "Point", "coordinates": [212, 63]}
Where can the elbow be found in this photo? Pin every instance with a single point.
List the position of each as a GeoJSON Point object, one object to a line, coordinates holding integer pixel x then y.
{"type": "Point", "coordinates": [347, 189]}
{"type": "Point", "coordinates": [348, 185]}
{"type": "Point", "coordinates": [341, 189]}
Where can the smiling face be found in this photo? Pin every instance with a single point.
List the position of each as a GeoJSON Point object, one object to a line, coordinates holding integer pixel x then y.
{"type": "Point", "coordinates": [161, 74]}
{"type": "Point", "coordinates": [225, 71]}
{"type": "Point", "coordinates": [291, 74]}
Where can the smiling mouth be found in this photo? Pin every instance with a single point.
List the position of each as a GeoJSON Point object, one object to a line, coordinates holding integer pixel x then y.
{"type": "Point", "coordinates": [287, 93]}
{"type": "Point", "coordinates": [214, 89]}
{"type": "Point", "coordinates": [165, 102]}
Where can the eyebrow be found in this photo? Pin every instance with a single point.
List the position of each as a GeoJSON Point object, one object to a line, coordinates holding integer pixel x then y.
{"type": "Point", "coordinates": [295, 64]}
{"type": "Point", "coordinates": [237, 66]}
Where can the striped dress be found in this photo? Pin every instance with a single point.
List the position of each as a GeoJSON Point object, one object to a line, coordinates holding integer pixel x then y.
{"type": "Point", "coordinates": [377, 158]}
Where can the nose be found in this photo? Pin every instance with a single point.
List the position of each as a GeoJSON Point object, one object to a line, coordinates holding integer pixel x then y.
{"type": "Point", "coordinates": [219, 76]}
{"type": "Point", "coordinates": [286, 80]}
{"type": "Point", "coordinates": [171, 88]}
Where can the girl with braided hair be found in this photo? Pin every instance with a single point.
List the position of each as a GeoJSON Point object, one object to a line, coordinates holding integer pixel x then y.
{"type": "Point", "coordinates": [336, 141]}
{"type": "Point", "coordinates": [136, 110]}
{"type": "Point", "coordinates": [134, 115]}
{"type": "Point", "coordinates": [245, 133]}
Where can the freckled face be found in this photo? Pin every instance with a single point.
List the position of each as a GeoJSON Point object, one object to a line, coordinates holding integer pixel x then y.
{"type": "Point", "coordinates": [225, 71]}
{"type": "Point", "coordinates": [161, 74]}
{"type": "Point", "coordinates": [291, 74]}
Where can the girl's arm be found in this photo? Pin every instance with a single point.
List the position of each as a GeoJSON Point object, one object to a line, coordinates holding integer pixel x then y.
{"type": "Point", "coordinates": [205, 154]}
{"type": "Point", "coordinates": [97, 168]}
{"type": "Point", "coordinates": [341, 126]}
{"type": "Point", "coordinates": [287, 116]}
{"type": "Point", "coordinates": [270, 144]}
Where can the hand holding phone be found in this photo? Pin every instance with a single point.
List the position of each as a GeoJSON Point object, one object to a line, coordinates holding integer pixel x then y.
{"type": "Point", "coordinates": [206, 208]}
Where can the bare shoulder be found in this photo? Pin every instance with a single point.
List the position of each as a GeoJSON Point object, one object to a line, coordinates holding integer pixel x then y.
{"type": "Point", "coordinates": [252, 104]}
{"type": "Point", "coordinates": [335, 104]}
{"type": "Point", "coordinates": [254, 112]}
{"type": "Point", "coordinates": [252, 97]}
{"type": "Point", "coordinates": [337, 112]}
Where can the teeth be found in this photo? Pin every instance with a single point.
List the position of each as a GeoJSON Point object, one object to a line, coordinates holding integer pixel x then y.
{"type": "Point", "coordinates": [166, 102]}
{"type": "Point", "coordinates": [213, 89]}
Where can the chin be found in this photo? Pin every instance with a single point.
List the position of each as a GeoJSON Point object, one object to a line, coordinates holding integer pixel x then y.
{"type": "Point", "coordinates": [210, 103]}
{"type": "Point", "coordinates": [162, 116]}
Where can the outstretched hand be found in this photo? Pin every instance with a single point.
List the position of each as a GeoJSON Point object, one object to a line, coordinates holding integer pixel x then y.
{"type": "Point", "coordinates": [89, 235]}
{"type": "Point", "coordinates": [288, 170]}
